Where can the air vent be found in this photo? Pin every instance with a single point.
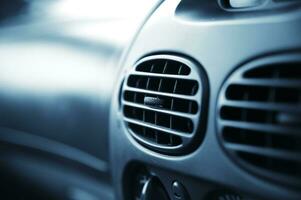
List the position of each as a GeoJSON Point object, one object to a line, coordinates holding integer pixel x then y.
{"type": "Point", "coordinates": [162, 100]}
{"type": "Point", "coordinates": [260, 117]}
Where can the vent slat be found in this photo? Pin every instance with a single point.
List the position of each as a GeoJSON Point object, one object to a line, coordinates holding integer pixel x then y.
{"type": "Point", "coordinates": [277, 168]}
{"type": "Point", "coordinates": [162, 75]}
{"type": "Point", "coordinates": [287, 71]}
{"type": "Point", "coordinates": [291, 156]}
{"type": "Point", "coordinates": [262, 94]}
{"type": "Point", "coordinates": [260, 117]}
{"type": "Point", "coordinates": [265, 128]}
{"type": "Point", "coordinates": [258, 138]}
{"type": "Point", "coordinates": [132, 89]}
{"type": "Point", "coordinates": [151, 135]}
{"type": "Point", "coordinates": [281, 83]}
{"type": "Point", "coordinates": [181, 124]}
{"type": "Point", "coordinates": [185, 87]}
{"type": "Point", "coordinates": [285, 107]}
{"type": "Point", "coordinates": [170, 112]}
{"type": "Point", "coordinates": [164, 66]}
{"type": "Point", "coordinates": [158, 128]}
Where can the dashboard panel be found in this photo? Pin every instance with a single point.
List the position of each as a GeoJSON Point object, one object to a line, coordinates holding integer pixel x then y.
{"type": "Point", "coordinates": [169, 100]}
{"type": "Point", "coordinates": [221, 41]}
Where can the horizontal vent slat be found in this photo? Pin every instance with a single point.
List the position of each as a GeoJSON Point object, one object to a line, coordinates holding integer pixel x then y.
{"type": "Point", "coordinates": [284, 118]}
{"type": "Point", "coordinates": [159, 128]}
{"type": "Point", "coordinates": [151, 135]}
{"type": "Point", "coordinates": [168, 85]}
{"type": "Point", "coordinates": [157, 75]}
{"type": "Point", "coordinates": [285, 155]}
{"type": "Point", "coordinates": [264, 106]}
{"type": "Point", "coordinates": [278, 168]}
{"type": "Point", "coordinates": [164, 66]}
{"type": "Point", "coordinates": [174, 105]}
{"type": "Point", "coordinates": [258, 138]}
{"type": "Point", "coordinates": [262, 94]}
{"type": "Point", "coordinates": [266, 128]}
{"type": "Point", "coordinates": [175, 123]}
{"type": "Point", "coordinates": [179, 96]}
{"type": "Point", "coordinates": [179, 114]}
{"type": "Point", "coordinates": [284, 71]}
{"type": "Point", "coordinates": [270, 83]}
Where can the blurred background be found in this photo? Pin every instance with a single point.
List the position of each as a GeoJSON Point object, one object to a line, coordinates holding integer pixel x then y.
{"type": "Point", "coordinates": [58, 64]}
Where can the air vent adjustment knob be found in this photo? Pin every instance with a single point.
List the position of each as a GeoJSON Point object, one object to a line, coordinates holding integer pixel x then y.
{"type": "Point", "coordinates": [153, 102]}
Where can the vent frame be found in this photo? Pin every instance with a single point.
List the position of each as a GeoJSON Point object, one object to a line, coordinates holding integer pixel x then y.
{"type": "Point", "coordinates": [189, 141]}
{"type": "Point", "coordinates": [237, 77]}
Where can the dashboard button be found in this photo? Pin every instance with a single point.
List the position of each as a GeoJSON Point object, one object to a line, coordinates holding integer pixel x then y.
{"type": "Point", "coordinates": [179, 192]}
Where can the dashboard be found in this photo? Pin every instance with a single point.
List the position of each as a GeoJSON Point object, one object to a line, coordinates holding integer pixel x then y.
{"type": "Point", "coordinates": [150, 100]}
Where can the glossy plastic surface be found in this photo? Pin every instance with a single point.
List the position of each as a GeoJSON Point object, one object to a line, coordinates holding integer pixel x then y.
{"type": "Point", "coordinates": [221, 41]}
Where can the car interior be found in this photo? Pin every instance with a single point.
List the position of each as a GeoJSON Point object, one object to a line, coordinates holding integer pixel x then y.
{"type": "Point", "coordinates": [150, 99]}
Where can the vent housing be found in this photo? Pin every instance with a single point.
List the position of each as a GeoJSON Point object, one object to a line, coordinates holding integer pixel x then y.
{"type": "Point", "coordinates": [259, 117]}
{"type": "Point", "coordinates": [256, 5]}
{"type": "Point", "coordinates": [162, 100]}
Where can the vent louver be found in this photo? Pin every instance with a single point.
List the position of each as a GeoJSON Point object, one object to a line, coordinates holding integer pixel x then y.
{"type": "Point", "coordinates": [260, 117]}
{"type": "Point", "coordinates": [161, 100]}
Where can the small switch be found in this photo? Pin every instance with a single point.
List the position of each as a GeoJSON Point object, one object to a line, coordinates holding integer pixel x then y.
{"type": "Point", "coordinates": [179, 192]}
{"type": "Point", "coordinates": [245, 3]}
